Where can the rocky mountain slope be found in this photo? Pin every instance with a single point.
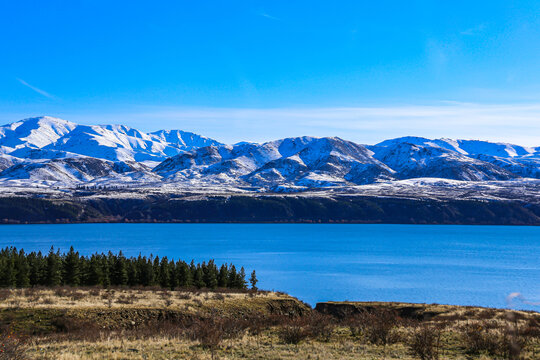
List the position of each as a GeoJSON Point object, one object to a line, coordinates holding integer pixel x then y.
{"type": "Point", "coordinates": [52, 152]}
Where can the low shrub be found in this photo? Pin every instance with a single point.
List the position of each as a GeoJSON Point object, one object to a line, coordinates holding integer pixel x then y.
{"type": "Point", "coordinates": [209, 333]}
{"type": "Point", "coordinates": [320, 326]}
{"type": "Point", "coordinates": [12, 347]}
{"type": "Point", "coordinates": [293, 331]}
{"type": "Point", "coordinates": [377, 326]}
{"type": "Point", "coordinates": [425, 342]}
{"type": "Point", "coordinates": [482, 338]}
{"type": "Point", "coordinates": [76, 327]}
{"type": "Point", "coordinates": [183, 296]}
{"type": "Point", "coordinates": [478, 338]}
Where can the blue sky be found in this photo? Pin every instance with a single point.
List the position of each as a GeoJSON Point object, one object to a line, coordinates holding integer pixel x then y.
{"type": "Point", "coordinates": [259, 70]}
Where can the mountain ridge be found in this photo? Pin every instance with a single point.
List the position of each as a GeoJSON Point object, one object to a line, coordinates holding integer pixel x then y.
{"type": "Point", "coordinates": [55, 152]}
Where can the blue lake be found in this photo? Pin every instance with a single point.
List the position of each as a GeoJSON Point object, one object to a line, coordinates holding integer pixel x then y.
{"type": "Point", "coordinates": [466, 265]}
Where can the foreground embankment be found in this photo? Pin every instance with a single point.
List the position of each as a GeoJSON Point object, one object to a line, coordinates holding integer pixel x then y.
{"type": "Point", "coordinates": [146, 323]}
{"type": "Point", "coordinates": [286, 208]}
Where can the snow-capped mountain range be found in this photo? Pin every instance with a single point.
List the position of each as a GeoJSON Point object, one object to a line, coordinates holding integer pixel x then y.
{"type": "Point", "coordinates": [48, 151]}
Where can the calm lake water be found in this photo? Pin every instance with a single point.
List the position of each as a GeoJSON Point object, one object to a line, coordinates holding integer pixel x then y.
{"type": "Point", "coordinates": [466, 265]}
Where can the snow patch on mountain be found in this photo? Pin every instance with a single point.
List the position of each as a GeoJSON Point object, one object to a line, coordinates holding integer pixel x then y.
{"type": "Point", "coordinates": [54, 152]}
{"type": "Point", "coordinates": [57, 138]}
{"type": "Point", "coordinates": [302, 161]}
{"type": "Point", "coordinates": [33, 132]}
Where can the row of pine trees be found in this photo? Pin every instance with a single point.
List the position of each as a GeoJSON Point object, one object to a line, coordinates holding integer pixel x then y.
{"type": "Point", "coordinates": [20, 269]}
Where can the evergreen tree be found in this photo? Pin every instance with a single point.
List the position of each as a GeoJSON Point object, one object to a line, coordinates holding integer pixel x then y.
{"type": "Point", "coordinates": [192, 271]}
{"type": "Point", "coordinates": [54, 268]}
{"type": "Point", "coordinates": [146, 272]}
{"type": "Point", "coordinates": [104, 264]}
{"type": "Point", "coordinates": [22, 270]}
{"type": "Point", "coordinates": [71, 268]}
{"type": "Point", "coordinates": [253, 280]}
{"type": "Point", "coordinates": [133, 274]}
{"type": "Point", "coordinates": [223, 277]}
{"type": "Point", "coordinates": [119, 274]}
{"type": "Point", "coordinates": [241, 279]}
{"type": "Point", "coordinates": [8, 276]}
{"type": "Point", "coordinates": [232, 281]}
{"type": "Point", "coordinates": [173, 280]}
{"type": "Point", "coordinates": [164, 277]}
{"type": "Point", "coordinates": [211, 275]}
{"type": "Point", "coordinates": [18, 269]}
{"type": "Point", "coordinates": [35, 269]}
{"type": "Point", "coordinates": [183, 275]}
{"type": "Point", "coordinates": [94, 272]}
{"type": "Point", "coordinates": [199, 278]}
{"type": "Point", "coordinates": [155, 269]}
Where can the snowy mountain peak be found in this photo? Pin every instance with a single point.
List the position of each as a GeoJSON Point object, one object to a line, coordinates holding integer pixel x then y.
{"type": "Point", "coordinates": [466, 147]}
{"type": "Point", "coordinates": [52, 138]}
{"type": "Point", "coordinates": [184, 138]}
{"type": "Point", "coordinates": [34, 132]}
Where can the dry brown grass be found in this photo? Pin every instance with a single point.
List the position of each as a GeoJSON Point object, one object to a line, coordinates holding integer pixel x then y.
{"type": "Point", "coordinates": [95, 298]}
{"type": "Point", "coordinates": [150, 324]}
{"type": "Point", "coordinates": [245, 348]}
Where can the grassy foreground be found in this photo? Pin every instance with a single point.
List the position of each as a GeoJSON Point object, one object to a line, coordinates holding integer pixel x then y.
{"type": "Point", "coordinates": [91, 323]}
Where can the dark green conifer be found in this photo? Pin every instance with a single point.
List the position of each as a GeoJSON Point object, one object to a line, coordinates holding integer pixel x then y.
{"type": "Point", "coordinates": [54, 268]}
{"type": "Point", "coordinates": [22, 269]}
{"type": "Point", "coordinates": [18, 269]}
{"type": "Point", "coordinates": [8, 276]}
{"type": "Point", "coordinates": [146, 272]}
{"type": "Point", "coordinates": [183, 274]}
{"type": "Point", "coordinates": [173, 280]}
{"type": "Point", "coordinates": [223, 277]}
{"type": "Point", "coordinates": [164, 277]}
{"type": "Point", "coordinates": [119, 274]}
{"type": "Point", "coordinates": [94, 272]}
{"type": "Point", "coordinates": [133, 274]}
{"type": "Point", "coordinates": [71, 268]}
{"type": "Point", "coordinates": [211, 275]}
{"type": "Point", "coordinates": [253, 280]}
{"type": "Point", "coordinates": [199, 278]}
{"type": "Point", "coordinates": [232, 281]}
{"type": "Point", "coordinates": [241, 279]}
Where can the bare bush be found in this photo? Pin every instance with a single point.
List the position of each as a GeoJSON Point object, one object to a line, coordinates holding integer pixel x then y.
{"type": "Point", "coordinates": [531, 329]}
{"type": "Point", "coordinates": [73, 325]}
{"type": "Point", "coordinates": [478, 338]}
{"type": "Point", "coordinates": [218, 296]}
{"type": "Point", "coordinates": [209, 333]}
{"type": "Point", "coordinates": [77, 295]}
{"type": "Point", "coordinates": [61, 291]}
{"type": "Point", "coordinates": [377, 326]}
{"type": "Point", "coordinates": [4, 294]}
{"type": "Point", "coordinates": [12, 347]}
{"type": "Point", "coordinates": [293, 331]}
{"type": "Point", "coordinates": [183, 296]}
{"type": "Point", "coordinates": [482, 338]}
{"type": "Point", "coordinates": [320, 326]}
{"type": "Point", "coordinates": [425, 343]}
{"type": "Point", "coordinates": [124, 299]}
{"type": "Point", "coordinates": [95, 291]}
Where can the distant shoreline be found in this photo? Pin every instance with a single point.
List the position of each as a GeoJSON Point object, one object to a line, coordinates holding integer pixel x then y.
{"type": "Point", "coordinates": [268, 209]}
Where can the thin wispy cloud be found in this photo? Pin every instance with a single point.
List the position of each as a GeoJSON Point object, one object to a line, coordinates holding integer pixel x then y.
{"type": "Point", "coordinates": [36, 89]}
{"type": "Point", "coordinates": [513, 123]}
{"type": "Point", "coordinates": [268, 16]}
